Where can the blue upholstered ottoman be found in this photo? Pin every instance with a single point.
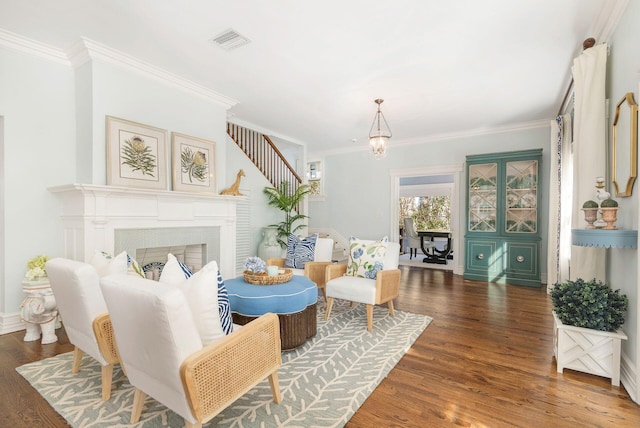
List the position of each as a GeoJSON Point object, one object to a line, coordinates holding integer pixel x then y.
{"type": "Point", "coordinates": [294, 302]}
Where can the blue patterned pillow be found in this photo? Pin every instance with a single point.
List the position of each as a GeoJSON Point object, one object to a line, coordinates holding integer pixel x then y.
{"type": "Point", "coordinates": [300, 251]}
{"type": "Point", "coordinates": [224, 307]}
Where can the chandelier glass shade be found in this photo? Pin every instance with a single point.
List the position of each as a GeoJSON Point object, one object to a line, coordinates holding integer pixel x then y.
{"type": "Point", "coordinates": [379, 133]}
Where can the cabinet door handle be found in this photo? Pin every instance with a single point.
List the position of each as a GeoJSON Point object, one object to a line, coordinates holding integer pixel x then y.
{"type": "Point", "coordinates": [480, 256]}
{"type": "Point", "coordinates": [520, 259]}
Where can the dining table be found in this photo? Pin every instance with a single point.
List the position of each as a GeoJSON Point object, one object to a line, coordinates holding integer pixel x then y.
{"type": "Point", "coordinates": [433, 254]}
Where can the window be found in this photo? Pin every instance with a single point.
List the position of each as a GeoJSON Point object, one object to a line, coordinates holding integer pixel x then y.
{"type": "Point", "coordinates": [428, 212]}
{"type": "Point", "coordinates": [314, 179]}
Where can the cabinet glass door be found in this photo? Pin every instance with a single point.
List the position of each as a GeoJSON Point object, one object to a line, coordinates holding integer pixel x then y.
{"type": "Point", "coordinates": [483, 184]}
{"type": "Point", "coordinates": [521, 197]}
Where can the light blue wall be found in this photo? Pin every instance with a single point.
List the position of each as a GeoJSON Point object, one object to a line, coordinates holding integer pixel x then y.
{"type": "Point", "coordinates": [54, 134]}
{"type": "Point", "coordinates": [358, 187]}
{"type": "Point", "coordinates": [36, 100]}
{"type": "Point", "coordinates": [251, 185]}
{"type": "Point", "coordinates": [623, 67]}
{"type": "Point", "coordinates": [133, 96]}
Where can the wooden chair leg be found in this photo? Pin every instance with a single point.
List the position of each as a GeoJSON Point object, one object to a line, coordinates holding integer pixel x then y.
{"type": "Point", "coordinates": [328, 310]}
{"type": "Point", "coordinates": [138, 402]}
{"type": "Point", "coordinates": [107, 376]}
{"type": "Point", "coordinates": [275, 387]}
{"type": "Point", "coordinates": [77, 359]}
{"type": "Point", "coordinates": [369, 317]}
{"type": "Point", "coordinates": [324, 293]}
{"type": "Point", "coordinates": [391, 311]}
{"type": "Point", "coordinates": [188, 424]}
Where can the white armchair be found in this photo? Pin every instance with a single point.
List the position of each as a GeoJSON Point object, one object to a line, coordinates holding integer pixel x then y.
{"type": "Point", "coordinates": [76, 287]}
{"type": "Point", "coordinates": [371, 292]}
{"type": "Point", "coordinates": [162, 351]}
{"type": "Point", "coordinates": [316, 269]}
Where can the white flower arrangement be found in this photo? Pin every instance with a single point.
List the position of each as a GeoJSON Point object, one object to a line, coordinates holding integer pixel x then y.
{"type": "Point", "coordinates": [36, 268]}
{"type": "Point", "coordinates": [255, 265]}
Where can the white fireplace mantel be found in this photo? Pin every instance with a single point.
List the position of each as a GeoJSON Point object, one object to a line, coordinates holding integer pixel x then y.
{"type": "Point", "coordinates": [92, 213]}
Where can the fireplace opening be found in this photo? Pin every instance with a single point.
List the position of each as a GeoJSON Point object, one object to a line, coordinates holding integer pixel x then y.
{"type": "Point", "coordinates": [194, 246]}
{"type": "Point", "coordinates": [152, 260]}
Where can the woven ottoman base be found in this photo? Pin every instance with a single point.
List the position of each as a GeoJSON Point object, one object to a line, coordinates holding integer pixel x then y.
{"type": "Point", "coordinates": [295, 329]}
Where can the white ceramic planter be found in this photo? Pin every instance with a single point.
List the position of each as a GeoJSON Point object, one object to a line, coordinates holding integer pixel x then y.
{"type": "Point", "coordinates": [269, 246]}
{"type": "Point", "coordinates": [586, 350]}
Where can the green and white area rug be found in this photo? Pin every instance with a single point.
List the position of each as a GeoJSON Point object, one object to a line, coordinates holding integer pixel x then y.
{"type": "Point", "coordinates": [322, 383]}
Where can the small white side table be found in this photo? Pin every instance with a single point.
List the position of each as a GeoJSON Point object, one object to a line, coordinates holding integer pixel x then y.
{"type": "Point", "coordinates": [39, 311]}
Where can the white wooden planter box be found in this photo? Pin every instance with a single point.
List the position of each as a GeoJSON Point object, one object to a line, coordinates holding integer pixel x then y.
{"type": "Point", "coordinates": [586, 350]}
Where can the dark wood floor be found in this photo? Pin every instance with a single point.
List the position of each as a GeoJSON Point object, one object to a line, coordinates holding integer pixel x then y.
{"type": "Point", "coordinates": [486, 360]}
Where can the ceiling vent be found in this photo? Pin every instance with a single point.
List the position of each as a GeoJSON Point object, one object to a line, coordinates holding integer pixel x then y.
{"type": "Point", "coordinates": [230, 39]}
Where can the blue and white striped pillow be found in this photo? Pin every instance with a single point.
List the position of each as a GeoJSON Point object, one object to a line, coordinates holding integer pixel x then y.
{"type": "Point", "coordinates": [300, 251]}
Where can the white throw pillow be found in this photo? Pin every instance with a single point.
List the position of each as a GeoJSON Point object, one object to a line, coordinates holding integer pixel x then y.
{"type": "Point", "coordinates": [201, 291]}
{"type": "Point", "coordinates": [106, 264]}
{"type": "Point", "coordinates": [174, 272]}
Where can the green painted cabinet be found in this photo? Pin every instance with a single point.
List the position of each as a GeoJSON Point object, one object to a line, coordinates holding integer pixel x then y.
{"type": "Point", "coordinates": [502, 238]}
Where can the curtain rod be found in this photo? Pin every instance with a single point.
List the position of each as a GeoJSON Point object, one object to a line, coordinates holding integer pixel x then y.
{"type": "Point", "coordinates": [588, 43]}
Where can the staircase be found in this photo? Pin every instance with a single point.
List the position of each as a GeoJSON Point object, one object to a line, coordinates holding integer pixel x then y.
{"type": "Point", "coordinates": [264, 155]}
{"type": "Point", "coordinates": [269, 160]}
{"type": "Point", "coordinates": [340, 243]}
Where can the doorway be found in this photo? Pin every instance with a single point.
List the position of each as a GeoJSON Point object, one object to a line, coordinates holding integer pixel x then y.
{"type": "Point", "coordinates": [430, 181]}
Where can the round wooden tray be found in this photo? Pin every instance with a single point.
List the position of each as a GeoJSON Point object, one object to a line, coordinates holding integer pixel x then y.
{"type": "Point", "coordinates": [264, 279]}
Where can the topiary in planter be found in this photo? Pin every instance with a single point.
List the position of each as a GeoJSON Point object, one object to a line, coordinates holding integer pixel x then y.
{"type": "Point", "coordinates": [590, 304]}
{"type": "Point", "coordinates": [609, 203]}
{"type": "Point", "coordinates": [590, 204]}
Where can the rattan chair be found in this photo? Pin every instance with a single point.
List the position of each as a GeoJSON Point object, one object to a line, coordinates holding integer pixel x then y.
{"type": "Point", "coordinates": [371, 292]}
{"type": "Point", "coordinates": [162, 350]}
{"type": "Point", "coordinates": [76, 288]}
{"type": "Point", "coordinates": [316, 269]}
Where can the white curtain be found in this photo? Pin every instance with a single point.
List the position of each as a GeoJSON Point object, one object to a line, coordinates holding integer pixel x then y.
{"type": "Point", "coordinates": [560, 202]}
{"type": "Point", "coordinates": [589, 151]}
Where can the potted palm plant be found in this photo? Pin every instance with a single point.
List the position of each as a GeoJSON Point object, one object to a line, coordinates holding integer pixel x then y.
{"type": "Point", "coordinates": [587, 335]}
{"type": "Point", "coordinates": [287, 199]}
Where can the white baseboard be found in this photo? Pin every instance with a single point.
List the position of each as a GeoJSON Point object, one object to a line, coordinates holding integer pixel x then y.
{"type": "Point", "coordinates": [628, 377]}
{"type": "Point", "coordinates": [10, 323]}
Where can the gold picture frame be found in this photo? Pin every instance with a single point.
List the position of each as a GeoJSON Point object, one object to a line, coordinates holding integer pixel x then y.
{"type": "Point", "coordinates": [193, 164]}
{"type": "Point", "coordinates": [136, 154]}
{"type": "Point", "coordinates": [624, 136]}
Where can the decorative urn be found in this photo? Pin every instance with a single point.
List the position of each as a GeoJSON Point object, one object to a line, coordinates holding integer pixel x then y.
{"type": "Point", "coordinates": [590, 209]}
{"type": "Point", "coordinates": [609, 208]}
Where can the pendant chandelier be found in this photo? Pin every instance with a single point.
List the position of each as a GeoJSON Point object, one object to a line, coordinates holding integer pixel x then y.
{"type": "Point", "coordinates": [379, 137]}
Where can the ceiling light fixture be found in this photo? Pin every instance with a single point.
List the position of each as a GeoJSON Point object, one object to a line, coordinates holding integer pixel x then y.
{"type": "Point", "coordinates": [379, 138]}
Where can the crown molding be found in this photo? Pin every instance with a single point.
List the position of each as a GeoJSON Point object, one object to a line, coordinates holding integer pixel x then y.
{"type": "Point", "coordinates": [523, 126]}
{"type": "Point", "coordinates": [608, 19]}
{"type": "Point", "coordinates": [86, 50]}
{"type": "Point", "coordinates": [22, 44]}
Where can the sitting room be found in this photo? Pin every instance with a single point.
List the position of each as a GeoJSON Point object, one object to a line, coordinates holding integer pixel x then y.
{"type": "Point", "coordinates": [212, 219]}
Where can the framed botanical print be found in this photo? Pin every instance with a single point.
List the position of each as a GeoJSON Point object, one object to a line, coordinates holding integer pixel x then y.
{"type": "Point", "coordinates": [194, 164]}
{"type": "Point", "coordinates": [136, 154]}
